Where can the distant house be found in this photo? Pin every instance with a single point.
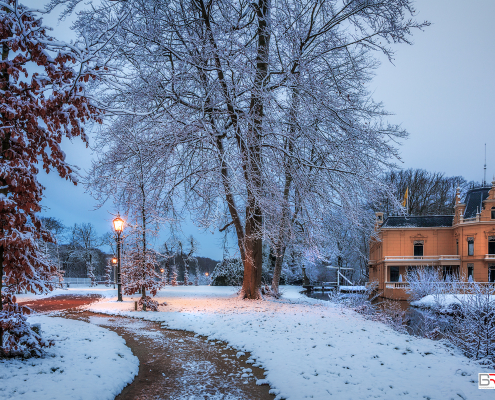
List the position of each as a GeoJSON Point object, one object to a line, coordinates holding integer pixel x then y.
{"type": "Point", "coordinates": [461, 244]}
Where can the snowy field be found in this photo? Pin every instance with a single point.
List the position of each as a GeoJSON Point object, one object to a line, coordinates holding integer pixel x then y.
{"type": "Point", "coordinates": [86, 363]}
{"type": "Point", "coordinates": [315, 349]}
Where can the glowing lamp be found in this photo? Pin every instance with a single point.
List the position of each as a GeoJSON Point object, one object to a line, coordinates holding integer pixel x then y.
{"type": "Point", "coordinates": [162, 270]}
{"type": "Point", "coordinates": [206, 274]}
{"type": "Point", "coordinates": [114, 260]}
{"type": "Point", "coordinates": [118, 225]}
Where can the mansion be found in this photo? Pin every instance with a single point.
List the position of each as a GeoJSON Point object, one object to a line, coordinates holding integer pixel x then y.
{"type": "Point", "coordinates": [461, 244]}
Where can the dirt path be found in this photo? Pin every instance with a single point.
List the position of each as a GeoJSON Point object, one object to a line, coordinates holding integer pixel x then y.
{"type": "Point", "coordinates": [174, 365]}
{"type": "Point", "coordinates": [60, 303]}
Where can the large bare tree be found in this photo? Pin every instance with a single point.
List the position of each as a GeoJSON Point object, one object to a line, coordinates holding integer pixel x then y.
{"type": "Point", "coordinates": [257, 111]}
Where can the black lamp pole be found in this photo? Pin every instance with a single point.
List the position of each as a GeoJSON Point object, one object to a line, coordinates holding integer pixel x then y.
{"type": "Point", "coordinates": [119, 282]}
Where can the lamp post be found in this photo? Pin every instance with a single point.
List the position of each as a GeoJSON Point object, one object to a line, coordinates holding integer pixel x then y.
{"type": "Point", "coordinates": [114, 263]}
{"type": "Point", "coordinates": [118, 226]}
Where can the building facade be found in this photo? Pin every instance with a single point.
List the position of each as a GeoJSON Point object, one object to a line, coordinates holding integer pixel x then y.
{"type": "Point", "coordinates": [462, 244]}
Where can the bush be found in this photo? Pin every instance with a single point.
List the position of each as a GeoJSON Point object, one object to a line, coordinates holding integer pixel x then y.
{"type": "Point", "coordinates": [229, 272]}
{"type": "Point", "coordinates": [20, 339]}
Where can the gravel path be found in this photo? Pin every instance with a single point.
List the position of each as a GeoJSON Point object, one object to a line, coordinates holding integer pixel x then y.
{"type": "Point", "coordinates": [174, 365]}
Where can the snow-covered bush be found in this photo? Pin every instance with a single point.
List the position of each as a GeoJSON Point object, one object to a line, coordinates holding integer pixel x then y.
{"type": "Point", "coordinates": [20, 339]}
{"type": "Point", "coordinates": [148, 304]}
{"type": "Point", "coordinates": [423, 282]}
{"type": "Point", "coordinates": [473, 324]}
{"type": "Point", "coordinates": [229, 272]}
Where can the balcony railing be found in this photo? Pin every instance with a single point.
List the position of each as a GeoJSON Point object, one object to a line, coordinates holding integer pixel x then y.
{"type": "Point", "coordinates": [396, 285]}
{"type": "Point", "coordinates": [490, 257]}
{"type": "Point", "coordinates": [424, 258]}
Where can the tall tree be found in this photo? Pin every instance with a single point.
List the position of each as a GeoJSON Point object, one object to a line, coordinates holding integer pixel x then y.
{"type": "Point", "coordinates": [37, 109]}
{"type": "Point", "coordinates": [232, 96]}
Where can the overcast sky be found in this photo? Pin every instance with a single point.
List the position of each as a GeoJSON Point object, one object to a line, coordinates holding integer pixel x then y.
{"type": "Point", "coordinates": [441, 90]}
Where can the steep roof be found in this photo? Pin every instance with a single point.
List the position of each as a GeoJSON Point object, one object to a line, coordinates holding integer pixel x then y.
{"type": "Point", "coordinates": [474, 201]}
{"type": "Point", "coordinates": [423, 221]}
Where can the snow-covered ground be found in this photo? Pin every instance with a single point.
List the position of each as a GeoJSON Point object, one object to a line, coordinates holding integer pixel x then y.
{"type": "Point", "coordinates": [315, 349]}
{"type": "Point", "coordinates": [86, 362]}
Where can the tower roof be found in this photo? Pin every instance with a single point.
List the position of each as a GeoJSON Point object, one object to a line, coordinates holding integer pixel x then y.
{"type": "Point", "coordinates": [474, 201]}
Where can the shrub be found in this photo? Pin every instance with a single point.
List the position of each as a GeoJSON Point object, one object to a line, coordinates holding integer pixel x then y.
{"type": "Point", "coordinates": [229, 272]}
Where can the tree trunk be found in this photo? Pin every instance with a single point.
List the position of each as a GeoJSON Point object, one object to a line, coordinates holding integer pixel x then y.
{"type": "Point", "coordinates": [281, 244]}
{"type": "Point", "coordinates": [251, 287]}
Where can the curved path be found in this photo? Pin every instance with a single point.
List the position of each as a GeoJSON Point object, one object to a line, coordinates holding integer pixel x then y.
{"type": "Point", "coordinates": [173, 365]}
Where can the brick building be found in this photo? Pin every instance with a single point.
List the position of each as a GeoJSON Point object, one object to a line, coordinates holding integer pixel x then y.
{"type": "Point", "coordinates": [461, 244]}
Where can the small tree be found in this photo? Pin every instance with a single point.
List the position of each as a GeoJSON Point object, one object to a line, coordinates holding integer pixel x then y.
{"type": "Point", "coordinates": [108, 272]}
{"type": "Point", "coordinates": [32, 127]}
{"type": "Point", "coordinates": [140, 268]}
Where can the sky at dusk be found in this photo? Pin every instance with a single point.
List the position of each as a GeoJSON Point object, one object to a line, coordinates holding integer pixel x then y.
{"type": "Point", "coordinates": [441, 90]}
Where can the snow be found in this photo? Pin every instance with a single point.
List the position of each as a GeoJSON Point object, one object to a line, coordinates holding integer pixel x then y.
{"type": "Point", "coordinates": [314, 349]}
{"type": "Point", "coordinates": [443, 301]}
{"type": "Point", "coordinates": [86, 362]}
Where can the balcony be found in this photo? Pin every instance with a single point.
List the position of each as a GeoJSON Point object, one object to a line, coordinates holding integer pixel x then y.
{"type": "Point", "coordinates": [423, 260]}
{"type": "Point", "coordinates": [490, 257]}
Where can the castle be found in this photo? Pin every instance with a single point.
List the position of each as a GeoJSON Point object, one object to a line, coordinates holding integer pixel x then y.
{"type": "Point", "coordinates": [462, 244]}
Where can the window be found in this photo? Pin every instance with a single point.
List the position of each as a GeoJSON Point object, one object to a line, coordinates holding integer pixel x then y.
{"type": "Point", "coordinates": [493, 212]}
{"type": "Point", "coordinates": [470, 246]}
{"type": "Point", "coordinates": [470, 267]}
{"type": "Point", "coordinates": [457, 247]}
{"type": "Point", "coordinates": [394, 274]}
{"type": "Point", "coordinates": [418, 248]}
{"type": "Point", "coordinates": [491, 273]}
{"type": "Point", "coordinates": [491, 244]}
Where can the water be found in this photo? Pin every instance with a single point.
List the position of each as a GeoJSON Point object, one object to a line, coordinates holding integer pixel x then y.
{"type": "Point", "coordinates": [416, 321]}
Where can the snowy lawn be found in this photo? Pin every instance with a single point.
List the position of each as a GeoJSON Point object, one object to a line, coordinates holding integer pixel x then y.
{"type": "Point", "coordinates": [86, 362]}
{"type": "Point", "coordinates": [315, 349]}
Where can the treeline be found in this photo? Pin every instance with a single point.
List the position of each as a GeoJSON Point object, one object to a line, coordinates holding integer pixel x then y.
{"type": "Point", "coordinates": [430, 193]}
{"type": "Point", "coordinates": [80, 252]}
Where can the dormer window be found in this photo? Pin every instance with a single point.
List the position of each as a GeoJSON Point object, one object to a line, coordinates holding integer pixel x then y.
{"type": "Point", "coordinates": [470, 241]}
{"type": "Point", "coordinates": [418, 248]}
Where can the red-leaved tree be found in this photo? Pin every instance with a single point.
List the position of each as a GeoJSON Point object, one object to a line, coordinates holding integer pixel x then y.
{"type": "Point", "coordinates": [42, 99]}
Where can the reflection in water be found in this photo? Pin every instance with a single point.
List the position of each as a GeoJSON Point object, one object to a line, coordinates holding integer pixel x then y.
{"type": "Point", "coordinates": [416, 321]}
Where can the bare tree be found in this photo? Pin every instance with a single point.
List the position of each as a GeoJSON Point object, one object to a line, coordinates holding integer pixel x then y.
{"type": "Point", "coordinates": [85, 242]}
{"type": "Point", "coordinates": [250, 106]}
{"type": "Point", "coordinates": [430, 193]}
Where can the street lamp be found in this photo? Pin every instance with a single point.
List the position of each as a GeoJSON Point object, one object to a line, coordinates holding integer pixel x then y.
{"type": "Point", "coordinates": [118, 226]}
{"type": "Point", "coordinates": [114, 263]}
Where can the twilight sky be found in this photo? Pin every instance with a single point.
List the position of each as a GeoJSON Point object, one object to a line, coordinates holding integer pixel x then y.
{"type": "Point", "coordinates": [441, 90]}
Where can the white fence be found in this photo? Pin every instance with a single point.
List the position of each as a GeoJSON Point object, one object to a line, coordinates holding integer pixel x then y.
{"type": "Point", "coordinates": [76, 281]}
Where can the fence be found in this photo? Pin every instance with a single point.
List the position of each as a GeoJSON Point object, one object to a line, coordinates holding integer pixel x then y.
{"type": "Point", "coordinates": [76, 281]}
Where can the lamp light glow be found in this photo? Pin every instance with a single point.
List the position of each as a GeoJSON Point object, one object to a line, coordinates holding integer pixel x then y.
{"type": "Point", "coordinates": [118, 225]}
